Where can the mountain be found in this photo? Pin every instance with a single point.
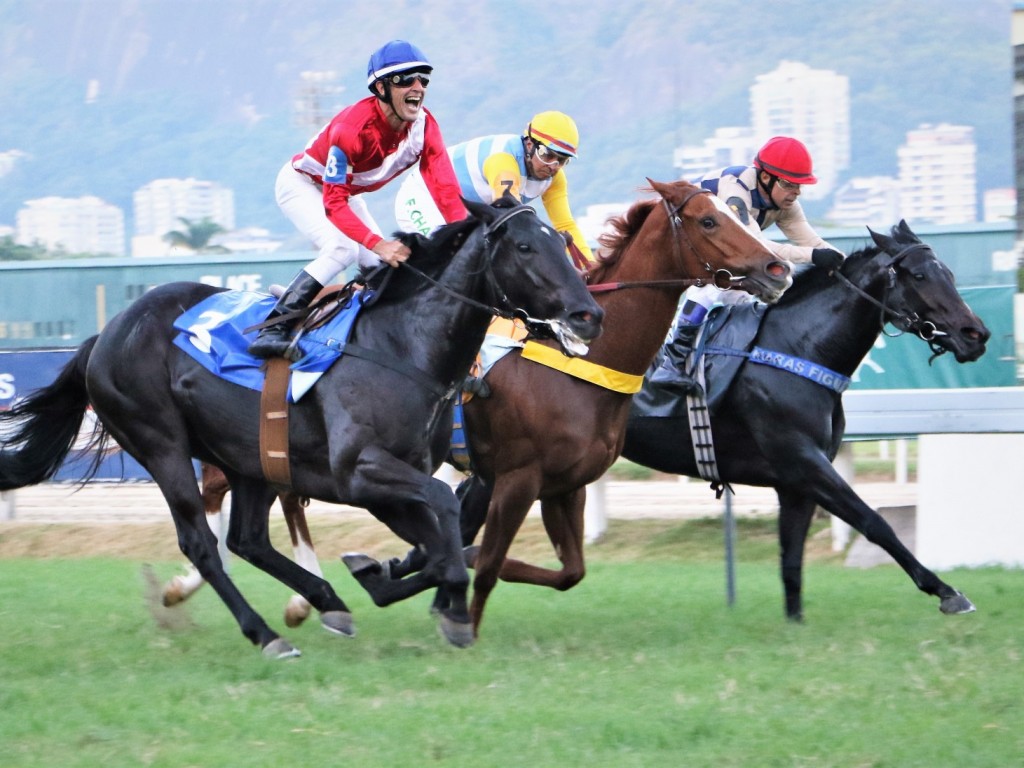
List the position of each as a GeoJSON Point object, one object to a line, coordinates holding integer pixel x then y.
{"type": "Point", "coordinates": [103, 96]}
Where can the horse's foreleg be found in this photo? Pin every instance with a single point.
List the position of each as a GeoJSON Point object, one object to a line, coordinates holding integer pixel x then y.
{"type": "Point", "coordinates": [424, 512]}
{"type": "Point", "coordinates": [563, 521]}
{"type": "Point", "coordinates": [796, 511]}
{"type": "Point", "coordinates": [835, 495]}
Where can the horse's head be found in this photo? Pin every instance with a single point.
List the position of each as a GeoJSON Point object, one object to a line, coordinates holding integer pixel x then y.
{"type": "Point", "coordinates": [531, 275]}
{"type": "Point", "coordinates": [918, 294]}
{"type": "Point", "coordinates": [721, 249]}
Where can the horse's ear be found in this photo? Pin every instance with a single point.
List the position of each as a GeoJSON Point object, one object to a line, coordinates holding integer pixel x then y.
{"type": "Point", "coordinates": [662, 189]}
{"type": "Point", "coordinates": [903, 230]}
{"type": "Point", "coordinates": [882, 241]}
{"type": "Point", "coordinates": [480, 210]}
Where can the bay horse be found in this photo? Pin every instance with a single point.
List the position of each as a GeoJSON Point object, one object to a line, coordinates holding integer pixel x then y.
{"type": "Point", "coordinates": [369, 434]}
{"type": "Point", "coordinates": [779, 430]}
{"type": "Point", "coordinates": [543, 434]}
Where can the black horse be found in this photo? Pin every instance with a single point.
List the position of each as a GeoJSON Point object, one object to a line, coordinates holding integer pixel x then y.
{"type": "Point", "coordinates": [776, 429]}
{"type": "Point", "coordinates": [369, 434]}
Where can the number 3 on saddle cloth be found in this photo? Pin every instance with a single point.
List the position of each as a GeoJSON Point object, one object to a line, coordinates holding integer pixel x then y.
{"type": "Point", "coordinates": [213, 334]}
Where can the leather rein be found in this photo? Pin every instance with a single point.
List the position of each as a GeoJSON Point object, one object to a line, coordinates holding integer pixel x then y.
{"type": "Point", "coordinates": [506, 309]}
{"type": "Point", "coordinates": [723, 278]}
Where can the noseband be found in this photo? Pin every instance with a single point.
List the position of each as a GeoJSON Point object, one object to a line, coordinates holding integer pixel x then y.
{"type": "Point", "coordinates": [907, 321]}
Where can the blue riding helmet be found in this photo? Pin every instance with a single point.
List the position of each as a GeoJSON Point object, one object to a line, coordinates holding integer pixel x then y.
{"type": "Point", "coordinates": [395, 56]}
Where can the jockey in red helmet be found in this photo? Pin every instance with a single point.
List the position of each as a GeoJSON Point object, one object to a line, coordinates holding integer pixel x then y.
{"type": "Point", "coordinates": [762, 194]}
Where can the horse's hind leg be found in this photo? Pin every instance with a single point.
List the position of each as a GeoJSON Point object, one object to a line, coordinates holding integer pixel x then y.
{"type": "Point", "coordinates": [213, 488]}
{"type": "Point", "coordinates": [199, 545]}
{"type": "Point", "coordinates": [249, 538]}
{"type": "Point", "coordinates": [796, 511]}
{"type": "Point", "coordinates": [563, 521]}
{"type": "Point", "coordinates": [298, 608]}
{"type": "Point", "coordinates": [513, 496]}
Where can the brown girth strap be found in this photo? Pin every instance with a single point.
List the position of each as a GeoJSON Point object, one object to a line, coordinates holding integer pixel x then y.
{"type": "Point", "coordinates": [274, 422]}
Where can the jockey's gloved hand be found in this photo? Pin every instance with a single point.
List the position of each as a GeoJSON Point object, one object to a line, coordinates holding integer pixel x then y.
{"type": "Point", "coordinates": [827, 258]}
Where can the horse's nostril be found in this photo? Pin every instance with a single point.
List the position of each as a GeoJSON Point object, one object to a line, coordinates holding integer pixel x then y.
{"type": "Point", "coordinates": [777, 269]}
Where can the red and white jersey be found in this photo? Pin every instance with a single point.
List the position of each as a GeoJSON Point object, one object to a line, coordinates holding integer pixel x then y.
{"type": "Point", "coordinates": [359, 151]}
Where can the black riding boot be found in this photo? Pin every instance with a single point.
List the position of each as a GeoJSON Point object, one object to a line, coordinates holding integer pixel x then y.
{"type": "Point", "coordinates": [273, 341]}
{"type": "Point", "coordinates": [672, 373]}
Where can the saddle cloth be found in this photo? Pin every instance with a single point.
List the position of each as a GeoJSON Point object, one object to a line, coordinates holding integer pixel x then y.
{"type": "Point", "coordinates": [722, 347]}
{"type": "Point", "coordinates": [213, 334]}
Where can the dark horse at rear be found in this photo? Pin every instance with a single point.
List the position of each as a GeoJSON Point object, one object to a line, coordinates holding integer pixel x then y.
{"type": "Point", "coordinates": [776, 429]}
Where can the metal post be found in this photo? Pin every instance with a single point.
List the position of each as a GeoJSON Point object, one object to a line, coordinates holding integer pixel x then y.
{"type": "Point", "coordinates": [730, 550]}
{"type": "Point", "coordinates": [7, 505]}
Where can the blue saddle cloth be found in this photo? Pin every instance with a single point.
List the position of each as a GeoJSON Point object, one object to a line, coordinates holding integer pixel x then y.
{"type": "Point", "coordinates": [212, 334]}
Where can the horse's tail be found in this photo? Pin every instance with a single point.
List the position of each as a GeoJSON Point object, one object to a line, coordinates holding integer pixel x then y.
{"type": "Point", "coordinates": [38, 432]}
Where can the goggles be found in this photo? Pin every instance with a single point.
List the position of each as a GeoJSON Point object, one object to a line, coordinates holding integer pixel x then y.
{"type": "Point", "coordinates": [785, 184]}
{"type": "Point", "coordinates": [405, 79]}
{"type": "Point", "coordinates": [548, 156]}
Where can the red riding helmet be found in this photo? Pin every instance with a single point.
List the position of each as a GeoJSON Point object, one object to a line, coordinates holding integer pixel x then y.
{"type": "Point", "coordinates": [786, 158]}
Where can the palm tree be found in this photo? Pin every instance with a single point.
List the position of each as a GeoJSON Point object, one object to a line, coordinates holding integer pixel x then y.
{"type": "Point", "coordinates": [196, 236]}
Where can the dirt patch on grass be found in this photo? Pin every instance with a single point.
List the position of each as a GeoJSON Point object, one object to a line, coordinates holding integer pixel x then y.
{"type": "Point", "coordinates": [687, 540]}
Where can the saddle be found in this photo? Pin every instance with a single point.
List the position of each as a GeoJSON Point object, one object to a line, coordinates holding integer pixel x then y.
{"type": "Point", "coordinates": [721, 349]}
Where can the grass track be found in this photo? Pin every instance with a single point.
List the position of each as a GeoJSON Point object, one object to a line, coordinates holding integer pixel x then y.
{"type": "Point", "coordinates": [641, 665]}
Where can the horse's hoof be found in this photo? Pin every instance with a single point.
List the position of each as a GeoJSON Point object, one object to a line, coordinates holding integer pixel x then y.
{"type": "Point", "coordinates": [458, 633]}
{"type": "Point", "coordinates": [338, 623]}
{"type": "Point", "coordinates": [279, 648]}
{"type": "Point", "coordinates": [958, 603]}
{"type": "Point", "coordinates": [297, 611]}
{"type": "Point", "coordinates": [361, 565]}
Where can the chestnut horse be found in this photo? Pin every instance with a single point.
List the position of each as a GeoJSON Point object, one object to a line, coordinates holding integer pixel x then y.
{"type": "Point", "coordinates": [543, 434]}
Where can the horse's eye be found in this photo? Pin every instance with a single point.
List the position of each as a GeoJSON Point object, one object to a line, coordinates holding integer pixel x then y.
{"type": "Point", "coordinates": [708, 222]}
{"type": "Point", "coordinates": [523, 247]}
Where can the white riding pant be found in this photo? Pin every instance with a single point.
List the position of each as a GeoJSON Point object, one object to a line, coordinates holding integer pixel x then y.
{"type": "Point", "coordinates": [705, 297]}
{"type": "Point", "coordinates": [415, 209]}
{"type": "Point", "coordinates": [302, 201]}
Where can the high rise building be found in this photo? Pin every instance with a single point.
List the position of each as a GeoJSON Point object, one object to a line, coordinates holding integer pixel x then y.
{"type": "Point", "coordinates": [812, 105]}
{"type": "Point", "coordinates": [872, 201]}
{"type": "Point", "coordinates": [729, 146]}
{"type": "Point", "coordinates": [160, 205]}
{"type": "Point", "coordinates": [74, 225]}
{"type": "Point", "coordinates": [937, 175]}
{"type": "Point", "coordinates": [317, 99]}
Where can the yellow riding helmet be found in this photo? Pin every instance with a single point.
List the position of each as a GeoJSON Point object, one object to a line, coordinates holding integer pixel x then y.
{"type": "Point", "coordinates": [556, 131]}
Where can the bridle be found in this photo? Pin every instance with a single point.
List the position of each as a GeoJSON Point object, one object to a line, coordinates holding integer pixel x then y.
{"type": "Point", "coordinates": [504, 308]}
{"type": "Point", "coordinates": [906, 321]}
{"type": "Point", "coordinates": [722, 278]}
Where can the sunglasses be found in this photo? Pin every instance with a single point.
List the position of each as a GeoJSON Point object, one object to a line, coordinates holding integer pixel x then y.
{"type": "Point", "coordinates": [786, 184]}
{"type": "Point", "coordinates": [405, 79]}
{"type": "Point", "coordinates": [550, 157]}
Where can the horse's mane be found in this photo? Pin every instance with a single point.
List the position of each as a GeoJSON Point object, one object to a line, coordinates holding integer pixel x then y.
{"type": "Point", "coordinates": [430, 255]}
{"type": "Point", "coordinates": [615, 242]}
{"type": "Point", "coordinates": [812, 278]}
